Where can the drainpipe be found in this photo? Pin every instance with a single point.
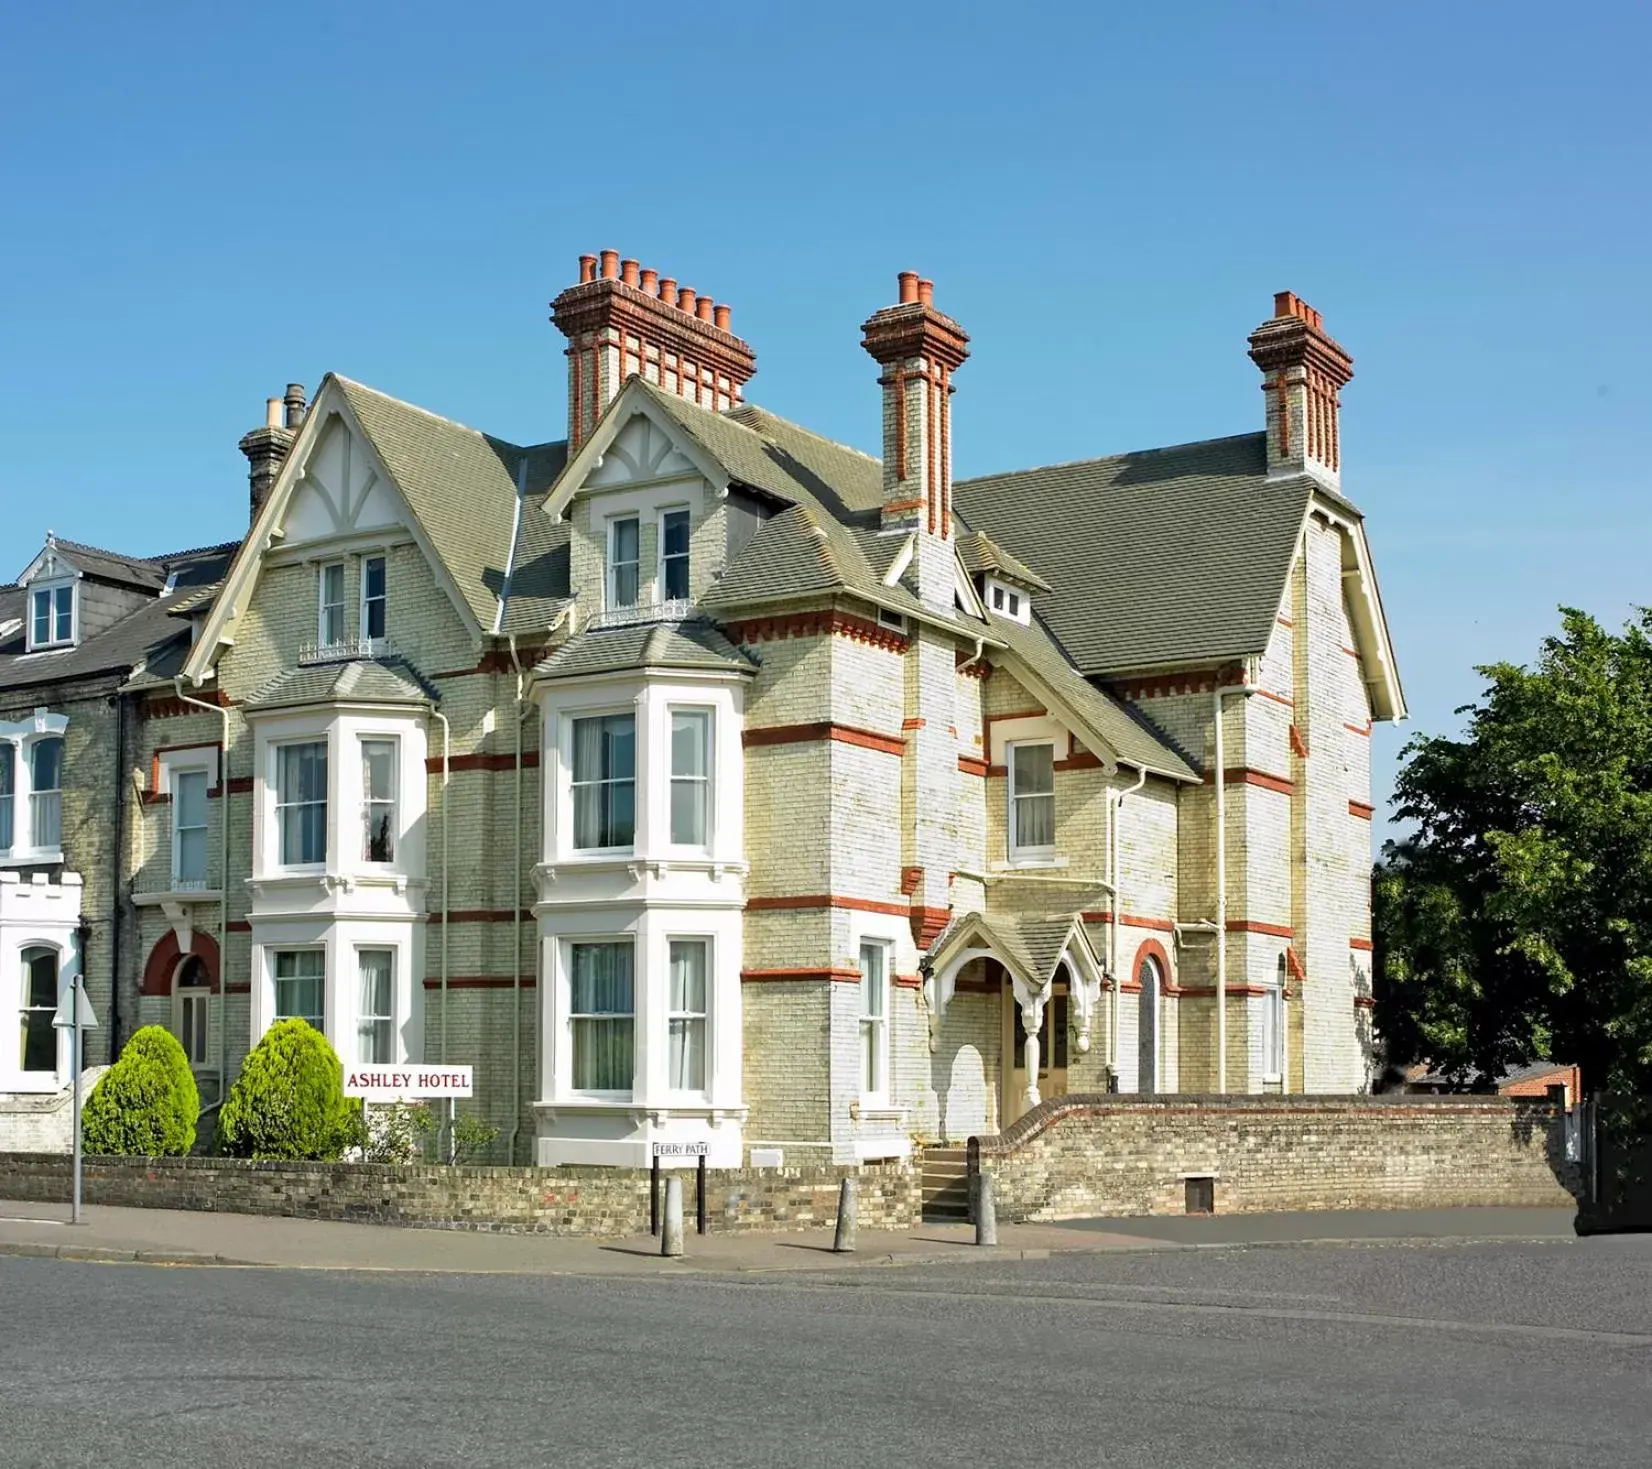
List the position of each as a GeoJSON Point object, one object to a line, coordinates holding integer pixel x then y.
{"type": "Point", "coordinates": [223, 883]}
{"type": "Point", "coordinates": [1116, 810]}
{"type": "Point", "coordinates": [444, 1151]}
{"type": "Point", "coordinates": [120, 866]}
{"type": "Point", "coordinates": [516, 918]}
{"type": "Point", "coordinates": [1216, 698]}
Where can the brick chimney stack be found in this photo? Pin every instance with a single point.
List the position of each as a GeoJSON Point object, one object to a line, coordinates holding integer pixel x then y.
{"type": "Point", "coordinates": [1303, 370]}
{"type": "Point", "coordinates": [621, 319]}
{"type": "Point", "coordinates": [918, 349]}
{"type": "Point", "coordinates": [266, 447]}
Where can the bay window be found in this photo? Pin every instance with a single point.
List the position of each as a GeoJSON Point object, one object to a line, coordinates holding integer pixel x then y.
{"type": "Point", "coordinates": [1032, 800]}
{"type": "Point", "coordinates": [378, 800]}
{"type": "Point", "coordinates": [687, 1017]}
{"type": "Point", "coordinates": [46, 796]}
{"type": "Point", "coordinates": [375, 1007]}
{"type": "Point", "coordinates": [301, 986]}
{"type": "Point", "coordinates": [38, 1049]}
{"type": "Point", "coordinates": [874, 1018]}
{"type": "Point", "coordinates": [189, 828]}
{"type": "Point", "coordinates": [605, 781]}
{"type": "Point", "coordinates": [674, 526]}
{"type": "Point", "coordinates": [602, 1015]}
{"type": "Point", "coordinates": [624, 560]}
{"type": "Point", "coordinates": [301, 803]}
{"type": "Point", "coordinates": [374, 598]}
{"type": "Point", "coordinates": [330, 613]}
{"type": "Point", "coordinates": [691, 777]}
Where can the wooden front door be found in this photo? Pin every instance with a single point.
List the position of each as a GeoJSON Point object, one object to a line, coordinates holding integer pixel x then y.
{"type": "Point", "coordinates": [1053, 1040]}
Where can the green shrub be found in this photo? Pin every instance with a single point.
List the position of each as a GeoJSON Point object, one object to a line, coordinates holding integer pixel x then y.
{"type": "Point", "coordinates": [288, 1101]}
{"type": "Point", "coordinates": [145, 1105]}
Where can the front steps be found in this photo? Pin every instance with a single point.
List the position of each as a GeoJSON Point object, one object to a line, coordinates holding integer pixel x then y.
{"type": "Point", "coordinates": [946, 1184]}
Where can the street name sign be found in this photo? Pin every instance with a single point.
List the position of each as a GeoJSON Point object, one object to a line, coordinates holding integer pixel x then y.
{"type": "Point", "coordinates": [680, 1150]}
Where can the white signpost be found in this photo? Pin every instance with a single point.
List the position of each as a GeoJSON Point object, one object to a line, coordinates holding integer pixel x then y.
{"type": "Point", "coordinates": [75, 1015]}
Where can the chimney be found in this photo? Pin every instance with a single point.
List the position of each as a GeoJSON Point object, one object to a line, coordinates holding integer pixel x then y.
{"type": "Point", "coordinates": [1303, 370]}
{"type": "Point", "coordinates": [266, 446]}
{"type": "Point", "coordinates": [621, 318]}
{"type": "Point", "coordinates": [918, 349]}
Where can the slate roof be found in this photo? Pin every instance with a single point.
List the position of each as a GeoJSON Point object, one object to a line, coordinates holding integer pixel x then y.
{"type": "Point", "coordinates": [359, 681]}
{"type": "Point", "coordinates": [150, 637]}
{"type": "Point", "coordinates": [1032, 943]}
{"type": "Point", "coordinates": [132, 571]}
{"type": "Point", "coordinates": [693, 643]}
{"type": "Point", "coordinates": [1165, 556]}
{"type": "Point", "coordinates": [980, 553]}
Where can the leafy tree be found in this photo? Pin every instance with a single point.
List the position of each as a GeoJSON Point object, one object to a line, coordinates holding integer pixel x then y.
{"type": "Point", "coordinates": [288, 1101]}
{"type": "Point", "coordinates": [1516, 921]}
{"type": "Point", "coordinates": [145, 1105]}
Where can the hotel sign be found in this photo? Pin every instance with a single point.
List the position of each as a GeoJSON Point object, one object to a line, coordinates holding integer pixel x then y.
{"type": "Point", "coordinates": [407, 1083]}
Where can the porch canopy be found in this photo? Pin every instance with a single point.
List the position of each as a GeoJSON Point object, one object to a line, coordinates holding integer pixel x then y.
{"type": "Point", "coordinates": [1032, 947]}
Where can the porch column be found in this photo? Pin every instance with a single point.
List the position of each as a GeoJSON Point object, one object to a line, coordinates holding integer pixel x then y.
{"type": "Point", "coordinates": [1032, 1021]}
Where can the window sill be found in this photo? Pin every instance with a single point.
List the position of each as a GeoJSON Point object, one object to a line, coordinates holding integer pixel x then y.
{"type": "Point", "coordinates": [31, 857]}
{"type": "Point", "coordinates": [876, 1109]}
{"type": "Point", "coordinates": [156, 897]}
{"type": "Point", "coordinates": [1023, 861]}
{"type": "Point", "coordinates": [32, 1084]}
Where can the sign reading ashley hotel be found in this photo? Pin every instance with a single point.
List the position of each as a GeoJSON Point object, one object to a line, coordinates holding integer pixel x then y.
{"type": "Point", "coordinates": [403, 1083]}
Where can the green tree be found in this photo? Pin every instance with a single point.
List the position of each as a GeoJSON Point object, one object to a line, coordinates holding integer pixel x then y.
{"type": "Point", "coordinates": [145, 1105]}
{"type": "Point", "coordinates": [1516, 920]}
{"type": "Point", "coordinates": [288, 1101]}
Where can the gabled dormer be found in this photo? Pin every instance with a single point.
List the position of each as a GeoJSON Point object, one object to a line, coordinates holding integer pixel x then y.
{"type": "Point", "coordinates": [72, 592]}
{"type": "Point", "coordinates": [1006, 585]}
{"type": "Point", "coordinates": [50, 586]}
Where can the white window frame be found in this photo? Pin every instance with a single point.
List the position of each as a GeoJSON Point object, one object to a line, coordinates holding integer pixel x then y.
{"type": "Point", "coordinates": [50, 589]}
{"type": "Point", "coordinates": [572, 1016]}
{"type": "Point", "coordinates": [611, 565]}
{"type": "Point", "coordinates": [184, 998]}
{"type": "Point", "coordinates": [575, 785]}
{"type": "Point", "coordinates": [708, 781]}
{"type": "Point", "coordinates": [1273, 1025]}
{"type": "Point", "coordinates": [27, 752]}
{"type": "Point", "coordinates": [10, 760]}
{"type": "Point", "coordinates": [392, 1015]}
{"type": "Point", "coordinates": [23, 738]}
{"type": "Point", "coordinates": [276, 952]}
{"type": "Point", "coordinates": [383, 599]}
{"type": "Point", "coordinates": [323, 605]}
{"type": "Point", "coordinates": [176, 777]}
{"type": "Point", "coordinates": [873, 1027]}
{"type": "Point", "coordinates": [279, 807]}
{"type": "Point", "coordinates": [702, 1017]}
{"type": "Point", "coordinates": [686, 557]}
{"type": "Point", "coordinates": [1017, 853]}
{"type": "Point", "coordinates": [368, 803]}
{"type": "Point", "coordinates": [18, 984]}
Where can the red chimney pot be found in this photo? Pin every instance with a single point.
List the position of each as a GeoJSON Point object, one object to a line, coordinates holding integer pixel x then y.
{"type": "Point", "coordinates": [685, 299]}
{"type": "Point", "coordinates": [610, 265]}
{"type": "Point", "coordinates": [651, 282]}
{"type": "Point", "coordinates": [926, 293]}
{"type": "Point", "coordinates": [722, 317]}
{"type": "Point", "coordinates": [628, 272]}
{"type": "Point", "coordinates": [587, 268]}
{"type": "Point", "coordinates": [707, 305]}
{"type": "Point", "coordinates": [668, 290]}
{"type": "Point", "coordinates": [908, 280]}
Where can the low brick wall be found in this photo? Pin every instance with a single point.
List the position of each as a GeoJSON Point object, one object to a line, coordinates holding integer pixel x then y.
{"type": "Point", "coordinates": [566, 1201]}
{"type": "Point", "coordinates": [1075, 1156]}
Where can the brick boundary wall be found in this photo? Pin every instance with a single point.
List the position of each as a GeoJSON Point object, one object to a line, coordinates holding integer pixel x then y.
{"type": "Point", "coordinates": [1083, 1155]}
{"type": "Point", "coordinates": [603, 1202]}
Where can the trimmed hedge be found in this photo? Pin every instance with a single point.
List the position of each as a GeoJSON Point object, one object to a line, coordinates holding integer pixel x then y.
{"type": "Point", "coordinates": [288, 1101]}
{"type": "Point", "coordinates": [146, 1104]}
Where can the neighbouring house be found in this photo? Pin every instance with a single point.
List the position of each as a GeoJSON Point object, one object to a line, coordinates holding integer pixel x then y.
{"type": "Point", "coordinates": [1531, 1080]}
{"type": "Point", "coordinates": [701, 780]}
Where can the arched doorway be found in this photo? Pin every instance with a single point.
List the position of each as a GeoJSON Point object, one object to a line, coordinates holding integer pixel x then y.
{"type": "Point", "coordinates": [189, 980]}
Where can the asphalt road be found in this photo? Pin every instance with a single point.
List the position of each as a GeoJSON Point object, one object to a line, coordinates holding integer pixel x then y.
{"type": "Point", "coordinates": [1286, 1356]}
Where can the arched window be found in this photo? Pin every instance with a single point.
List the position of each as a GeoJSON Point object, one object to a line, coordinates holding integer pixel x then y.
{"type": "Point", "coordinates": [39, 1039]}
{"type": "Point", "coordinates": [1273, 1025]}
{"type": "Point", "coordinates": [191, 1015]}
{"type": "Point", "coordinates": [1147, 1025]}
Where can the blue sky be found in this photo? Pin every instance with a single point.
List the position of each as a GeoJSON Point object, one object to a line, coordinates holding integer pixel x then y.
{"type": "Point", "coordinates": [203, 201]}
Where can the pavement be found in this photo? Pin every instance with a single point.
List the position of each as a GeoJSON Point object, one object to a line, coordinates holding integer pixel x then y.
{"type": "Point", "coordinates": [167, 1237]}
{"type": "Point", "coordinates": [1453, 1354]}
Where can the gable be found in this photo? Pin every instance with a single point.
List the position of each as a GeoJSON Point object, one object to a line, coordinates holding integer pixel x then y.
{"type": "Point", "coordinates": [641, 451]}
{"type": "Point", "coordinates": [340, 492]}
{"type": "Point", "coordinates": [50, 565]}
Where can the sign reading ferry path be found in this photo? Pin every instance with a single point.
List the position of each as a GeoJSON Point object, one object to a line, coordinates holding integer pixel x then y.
{"type": "Point", "coordinates": [407, 1082]}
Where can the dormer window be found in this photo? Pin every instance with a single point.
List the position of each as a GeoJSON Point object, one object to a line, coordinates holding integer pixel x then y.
{"type": "Point", "coordinates": [1006, 601]}
{"type": "Point", "coordinates": [52, 616]}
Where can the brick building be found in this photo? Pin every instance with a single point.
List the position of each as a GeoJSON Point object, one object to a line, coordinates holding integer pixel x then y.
{"type": "Point", "coordinates": [700, 779]}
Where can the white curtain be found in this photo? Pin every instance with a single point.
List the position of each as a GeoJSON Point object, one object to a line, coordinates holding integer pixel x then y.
{"type": "Point", "coordinates": [688, 1015]}
{"type": "Point", "coordinates": [375, 1022]}
{"type": "Point", "coordinates": [1034, 796]}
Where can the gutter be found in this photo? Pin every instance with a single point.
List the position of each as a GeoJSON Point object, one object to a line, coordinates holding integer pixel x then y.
{"type": "Point", "coordinates": [223, 879]}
